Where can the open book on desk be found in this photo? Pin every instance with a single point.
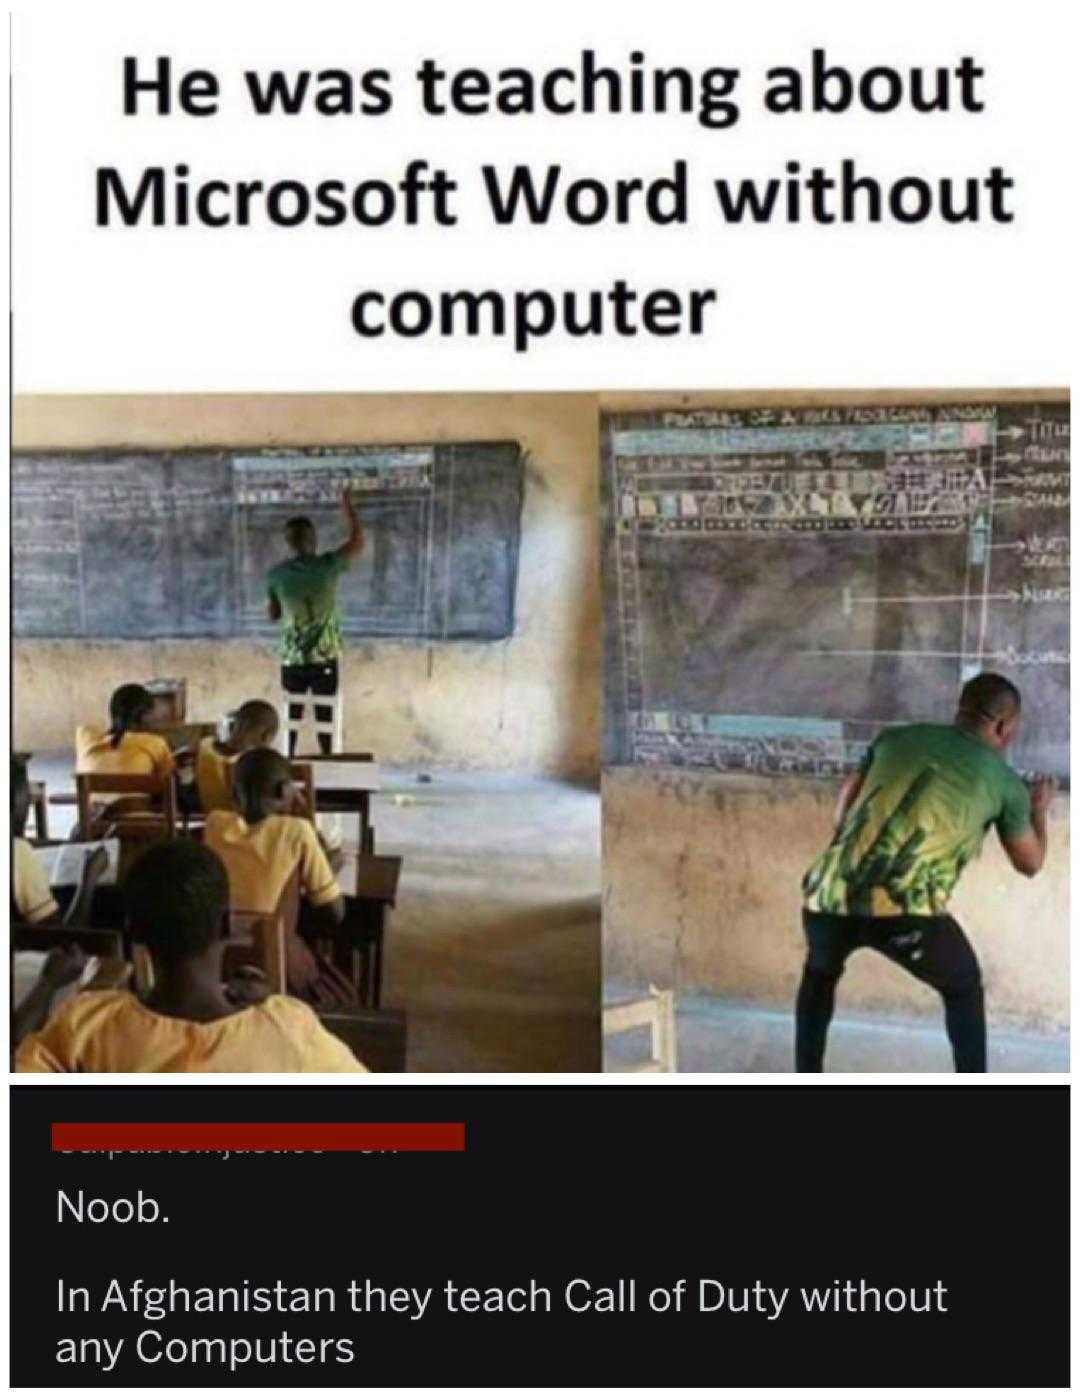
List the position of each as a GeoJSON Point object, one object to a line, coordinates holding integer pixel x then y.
{"type": "Point", "coordinates": [63, 864]}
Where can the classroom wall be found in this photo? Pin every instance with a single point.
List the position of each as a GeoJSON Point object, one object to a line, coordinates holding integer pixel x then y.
{"type": "Point", "coordinates": [529, 704]}
{"type": "Point", "coordinates": [701, 892]}
{"type": "Point", "coordinates": [702, 871]}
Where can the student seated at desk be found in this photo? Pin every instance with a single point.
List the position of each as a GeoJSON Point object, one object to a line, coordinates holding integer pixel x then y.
{"type": "Point", "coordinates": [253, 726]}
{"type": "Point", "coordinates": [129, 745]}
{"type": "Point", "coordinates": [177, 896]}
{"type": "Point", "coordinates": [32, 901]}
{"type": "Point", "coordinates": [262, 845]}
{"type": "Point", "coordinates": [38, 977]}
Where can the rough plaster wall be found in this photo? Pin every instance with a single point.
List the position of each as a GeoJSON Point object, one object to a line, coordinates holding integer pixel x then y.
{"type": "Point", "coordinates": [530, 703]}
{"type": "Point", "coordinates": [701, 892]}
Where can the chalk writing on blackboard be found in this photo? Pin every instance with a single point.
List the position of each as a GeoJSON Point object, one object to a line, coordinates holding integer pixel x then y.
{"type": "Point", "coordinates": [781, 583]}
{"type": "Point", "coordinates": [177, 544]}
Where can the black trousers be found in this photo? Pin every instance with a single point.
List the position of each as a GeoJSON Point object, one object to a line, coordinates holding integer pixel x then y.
{"type": "Point", "coordinates": [318, 678]}
{"type": "Point", "coordinates": [933, 949]}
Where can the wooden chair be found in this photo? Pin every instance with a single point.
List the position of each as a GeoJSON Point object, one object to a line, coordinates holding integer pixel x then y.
{"type": "Point", "coordinates": [126, 789]}
{"type": "Point", "coordinates": [106, 945]}
{"type": "Point", "coordinates": [189, 813]}
{"type": "Point", "coordinates": [254, 938]}
{"type": "Point", "coordinates": [267, 934]}
{"type": "Point", "coordinates": [657, 1011]}
{"type": "Point", "coordinates": [376, 1038]}
{"type": "Point", "coordinates": [39, 804]}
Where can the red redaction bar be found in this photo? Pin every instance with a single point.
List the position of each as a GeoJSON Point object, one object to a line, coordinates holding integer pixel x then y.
{"type": "Point", "coordinates": [258, 1137]}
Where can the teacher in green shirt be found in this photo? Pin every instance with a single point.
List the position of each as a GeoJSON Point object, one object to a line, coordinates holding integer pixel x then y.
{"type": "Point", "coordinates": [908, 822]}
{"type": "Point", "coordinates": [302, 596]}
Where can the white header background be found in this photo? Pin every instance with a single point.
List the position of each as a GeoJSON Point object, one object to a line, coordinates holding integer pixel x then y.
{"type": "Point", "coordinates": [268, 309]}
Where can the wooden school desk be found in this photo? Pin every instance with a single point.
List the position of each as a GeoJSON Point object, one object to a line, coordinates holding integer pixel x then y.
{"type": "Point", "coordinates": [372, 884]}
{"type": "Point", "coordinates": [344, 783]}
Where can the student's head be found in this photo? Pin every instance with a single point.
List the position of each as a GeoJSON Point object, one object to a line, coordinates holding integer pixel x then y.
{"type": "Point", "coordinates": [130, 707]}
{"type": "Point", "coordinates": [990, 707]}
{"type": "Point", "coordinates": [20, 796]}
{"type": "Point", "coordinates": [253, 726]}
{"type": "Point", "coordinates": [300, 535]}
{"type": "Point", "coordinates": [177, 899]}
{"type": "Point", "coordinates": [263, 784]}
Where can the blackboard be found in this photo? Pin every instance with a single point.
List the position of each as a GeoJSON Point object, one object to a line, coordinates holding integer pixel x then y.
{"type": "Point", "coordinates": [130, 544]}
{"type": "Point", "coordinates": [779, 584]}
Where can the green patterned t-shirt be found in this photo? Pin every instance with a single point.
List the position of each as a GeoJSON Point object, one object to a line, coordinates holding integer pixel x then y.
{"type": "Point", "coordinates": [306, 589]}
{"type": "Point", "coordinates": [929, 794]}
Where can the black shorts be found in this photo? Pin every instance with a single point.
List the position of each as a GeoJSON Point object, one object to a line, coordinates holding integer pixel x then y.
{"type": "Point", "coordinates": [318, 677]}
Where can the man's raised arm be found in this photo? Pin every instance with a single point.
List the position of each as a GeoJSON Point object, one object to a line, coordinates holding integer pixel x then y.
{"type": "Point", "coordinates": [355, 543]}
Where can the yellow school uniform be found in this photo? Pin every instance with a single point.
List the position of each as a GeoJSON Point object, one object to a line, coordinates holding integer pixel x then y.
{"type": "Point", "coordinates": [138, 752]}
{"type": "Point", "coordinates": [213, 776]}
{"type": "Point", "coordinates": [113, 1033]}
{"type": "Point", "coordinates": [260, 860]}
{"type": "Point", "coordinates": [30, 892]}
{"type": "Point", "coordinates": [34, 904]}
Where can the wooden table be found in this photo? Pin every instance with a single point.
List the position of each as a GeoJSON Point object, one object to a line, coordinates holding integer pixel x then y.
{"type": "Point", "coordinates": [38, 801]}
{"type": "Point", "coordinates": [344, 783]}
{"type": "Point", "coordinates": [370, 884]}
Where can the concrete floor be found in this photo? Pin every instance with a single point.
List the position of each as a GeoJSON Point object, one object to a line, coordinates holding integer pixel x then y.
{"type": "Point", "coordinates": [494, 947]}
{"type": "Point", "coordinates": [717, 1036]}
{"type": "Point", "coordinates": [495, 944]}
